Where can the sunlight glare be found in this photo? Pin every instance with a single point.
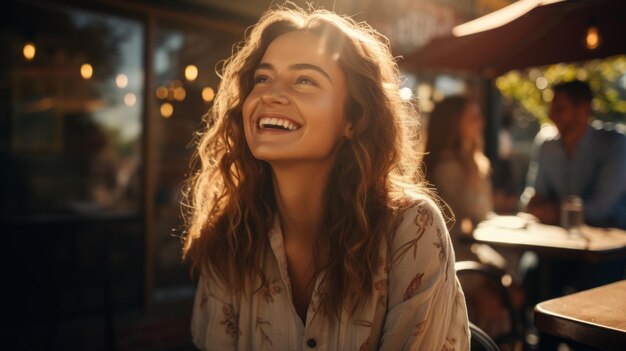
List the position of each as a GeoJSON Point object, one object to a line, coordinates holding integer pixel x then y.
{"type": "Point", "coordinates": [406, 94]}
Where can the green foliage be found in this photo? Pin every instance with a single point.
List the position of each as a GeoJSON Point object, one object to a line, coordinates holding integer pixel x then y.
{"type": "Point", "coordinates": [531, 90]}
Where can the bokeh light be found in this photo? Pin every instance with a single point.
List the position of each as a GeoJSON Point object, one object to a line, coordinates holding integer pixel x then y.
{"type": "Point", "coordinates": [29, 51]}
{"type": "Point", "coordinates": [180, 94]}
{"type": "Point", "coordinates": [161, 93]}
{"type": "Point", "coordinates": [86, 71]}
{"type": "Point", "coordinates": [167, 110]}
{"type": "Point", "coordinates": [592, 39]}
{"type": "Point", "coordinates": [191, 73]}
{"type": "Point", "coordinates": [547, 95]}
{"type": "Point", "coordinates": [208, 94]}
{"type": "Point", "coordinates": [541, 83]}
{"type": "Point", "coordinates": [121, 81]}
{"type": "Point", "coordinates": [130, 99]}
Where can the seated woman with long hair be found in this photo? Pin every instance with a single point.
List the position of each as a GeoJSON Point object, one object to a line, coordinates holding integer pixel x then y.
{"type": "Point", "coordinates": [460, 171]}
{"type": "Point", "coordinates": [308, 222]}
{"type": "Point", "coordinates": [458, 168]}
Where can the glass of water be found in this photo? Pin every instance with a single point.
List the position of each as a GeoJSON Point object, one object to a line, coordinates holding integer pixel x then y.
{"type": "Point", "coordinates": [572, 216]}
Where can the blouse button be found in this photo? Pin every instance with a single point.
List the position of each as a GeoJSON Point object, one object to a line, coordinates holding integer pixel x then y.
{"type": "Point", "coordinates": [311, 343]}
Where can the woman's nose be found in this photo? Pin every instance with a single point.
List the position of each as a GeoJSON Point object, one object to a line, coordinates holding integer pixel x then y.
{"type": "Point", "coordinates": [275, 94]}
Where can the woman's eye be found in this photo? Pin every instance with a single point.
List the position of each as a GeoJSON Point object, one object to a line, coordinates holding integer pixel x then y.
{"type": "Point", "coordinates": [305, 81]}
{"type": "Point", "coordinates": [261, 79]}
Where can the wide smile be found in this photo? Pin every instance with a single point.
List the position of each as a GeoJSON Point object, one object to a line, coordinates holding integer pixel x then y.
{"type": "Point", "coordinates": [276, 123]}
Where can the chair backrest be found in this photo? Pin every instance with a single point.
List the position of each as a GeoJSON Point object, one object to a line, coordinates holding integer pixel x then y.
{"type": "Point", "coordinates": [480, 341]}
{"type": "Point", "coordinates": [495, 275]}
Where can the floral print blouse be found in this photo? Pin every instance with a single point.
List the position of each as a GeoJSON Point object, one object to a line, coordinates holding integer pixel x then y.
{"type": "Point", "coordinates": [416, 301]}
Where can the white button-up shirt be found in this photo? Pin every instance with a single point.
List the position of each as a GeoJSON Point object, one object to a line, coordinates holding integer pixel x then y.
{"type": "Point", "coordinates": [416, 302]}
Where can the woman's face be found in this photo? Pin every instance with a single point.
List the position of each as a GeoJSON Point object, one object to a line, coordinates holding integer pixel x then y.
{"type": "Point", "coordinates": [296, 109]}
{"type": "Point", "coordinates": [472, 123]}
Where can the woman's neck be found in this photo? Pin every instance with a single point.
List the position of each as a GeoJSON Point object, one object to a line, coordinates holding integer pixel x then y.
{"type": "Point", "coordinates": [468, 147]}
{"type": "Point", "coordinates": [299, 191]}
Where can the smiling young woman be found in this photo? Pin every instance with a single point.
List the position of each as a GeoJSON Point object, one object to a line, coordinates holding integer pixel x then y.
{"type": "Point", "coordinates": [307, 218]}
{"type": "Point", "coordinates": [298, 84]}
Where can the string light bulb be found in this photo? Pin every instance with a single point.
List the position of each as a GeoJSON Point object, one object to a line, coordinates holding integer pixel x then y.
{"type": "Point", "coordinates": [29, 51]}
{"type": "Point", "coordinates": [592, 39]}
{"type": "Point", "coordinates": [592, 36]}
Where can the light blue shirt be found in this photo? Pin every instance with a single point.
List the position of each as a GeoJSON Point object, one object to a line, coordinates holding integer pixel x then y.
{"type": "Point", "coordinates": [596, 172]}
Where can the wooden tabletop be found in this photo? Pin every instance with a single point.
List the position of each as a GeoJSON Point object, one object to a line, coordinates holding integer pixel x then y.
{"type": "Point", "coordinates": [595, 317]}
{"type": "Point", "coordinates": [593, 244]}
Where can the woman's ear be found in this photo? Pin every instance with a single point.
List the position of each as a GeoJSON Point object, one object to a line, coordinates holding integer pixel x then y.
{"type": "Point", "coordinates": [347, 132]}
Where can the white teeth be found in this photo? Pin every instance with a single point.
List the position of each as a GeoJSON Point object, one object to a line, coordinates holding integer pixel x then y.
{"type": "Point", "coordinates": [274, 121]}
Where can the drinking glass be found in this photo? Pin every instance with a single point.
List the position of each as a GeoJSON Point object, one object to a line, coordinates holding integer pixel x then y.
{"type": "Point", "coordinates": [572, 216]}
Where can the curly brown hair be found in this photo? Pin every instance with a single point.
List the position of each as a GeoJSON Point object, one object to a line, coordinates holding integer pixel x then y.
{"type": "Point", "coordinates": [229, 203]}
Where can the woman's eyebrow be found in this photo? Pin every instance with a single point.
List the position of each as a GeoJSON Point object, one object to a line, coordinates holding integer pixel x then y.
{"type": "Point", "coordinates": [297, 67]}
{"type": "Point", "coordinates": [303, 66]}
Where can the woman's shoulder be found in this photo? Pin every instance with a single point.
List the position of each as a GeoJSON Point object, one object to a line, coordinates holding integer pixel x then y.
{"type": "Point", "coordinates": [449, 162]}
{"type": "Point", "coordinates": [421, 213]}
{"type": "Point", "coordinates": [421, 240]}
{"type": "Point", "coordinates": [415, 201]}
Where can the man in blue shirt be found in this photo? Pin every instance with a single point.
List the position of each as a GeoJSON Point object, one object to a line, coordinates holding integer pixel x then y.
{"type": "Point", "coordinates": [575, 159]}
{"type": "Point", "coordinates": [580, 160]}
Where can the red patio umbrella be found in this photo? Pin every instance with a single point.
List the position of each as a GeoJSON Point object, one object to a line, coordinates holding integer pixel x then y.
{"type": "Point", "coordinates": [524, 34]}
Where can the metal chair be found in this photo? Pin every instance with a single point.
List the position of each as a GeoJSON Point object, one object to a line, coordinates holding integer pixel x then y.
{"type": "Point", "coordinates": [480, 341]}
{"type": "Point", "coordinates": [495, 275]}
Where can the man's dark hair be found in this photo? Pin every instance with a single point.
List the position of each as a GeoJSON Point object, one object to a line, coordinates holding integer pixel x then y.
{"type": "Point", "coordinates": [576, 90]}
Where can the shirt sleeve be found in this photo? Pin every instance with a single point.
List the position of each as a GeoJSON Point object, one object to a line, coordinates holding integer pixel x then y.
{"type": "Point", "coordinates": [536, 178]}
{"type": "Point", "coordinates": [427, 308]}
{"type": "Point", "coordinates": [214, 321]}
{"type": "Point", "coordinates": [610, 185]}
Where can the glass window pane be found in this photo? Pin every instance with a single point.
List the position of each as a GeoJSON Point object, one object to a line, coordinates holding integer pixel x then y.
{"type": "Point", "coordinates": [71, 90]}
{"type": "Point", "coordinates": [184, 63]}
{"type": "Point", "coordinates": [71, 87]}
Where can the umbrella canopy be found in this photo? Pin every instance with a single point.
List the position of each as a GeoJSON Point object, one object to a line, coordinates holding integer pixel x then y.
{"type": "Point", "coordinates": [524, 34]}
